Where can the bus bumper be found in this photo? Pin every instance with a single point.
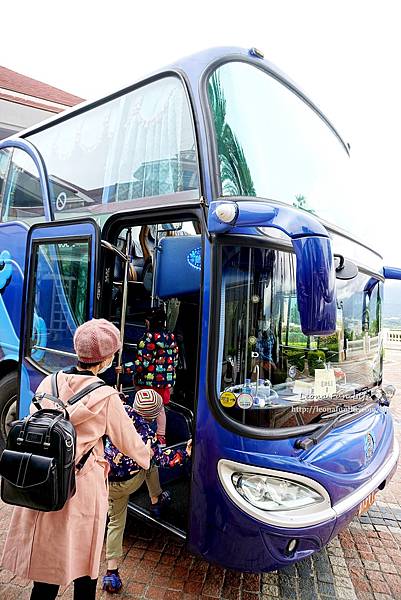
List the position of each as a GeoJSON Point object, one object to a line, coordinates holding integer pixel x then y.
{"type": "Point", "coordinates": [242, 541]}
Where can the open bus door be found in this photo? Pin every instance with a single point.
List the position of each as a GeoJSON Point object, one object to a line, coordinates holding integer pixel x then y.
{"type": "Point", "coordinates": [59, 295]}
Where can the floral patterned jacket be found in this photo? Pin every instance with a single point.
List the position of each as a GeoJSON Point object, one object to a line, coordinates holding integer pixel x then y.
{"type": "Point", "coordinates": [123, 467]}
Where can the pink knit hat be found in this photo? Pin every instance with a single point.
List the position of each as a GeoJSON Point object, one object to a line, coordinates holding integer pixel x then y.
{"type": "Point", "coordinates": [148, 403]}
{"type": "Point", "coordinates": [95, 340]}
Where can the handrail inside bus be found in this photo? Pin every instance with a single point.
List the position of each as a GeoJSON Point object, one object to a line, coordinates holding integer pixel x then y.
{"type": "Point", "coordinates": [60, 352]}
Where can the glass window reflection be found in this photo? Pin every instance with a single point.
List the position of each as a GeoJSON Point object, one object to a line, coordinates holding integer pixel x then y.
{"type": "Point", "coordinates": [264, 353]}
{"type": "Point", "coordinates": [271, 144]}
{"type": "Point", "coordinates": [140, 144]}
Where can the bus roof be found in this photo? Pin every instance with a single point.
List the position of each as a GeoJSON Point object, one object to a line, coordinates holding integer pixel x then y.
{"type": "Point", "coordinates": [192, 68]}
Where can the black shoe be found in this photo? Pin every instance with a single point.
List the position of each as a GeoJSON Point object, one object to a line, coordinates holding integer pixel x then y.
{"type": "Point", "coordinates": [163, 500]}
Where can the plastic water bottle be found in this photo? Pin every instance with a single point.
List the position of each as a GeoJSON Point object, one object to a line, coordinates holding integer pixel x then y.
{"type": "Point", "coordinates": [264, 392]}
{"type": "Point", "coordinates": [247, 387]}
{"type": "Point", "coordinates": [256, 395]}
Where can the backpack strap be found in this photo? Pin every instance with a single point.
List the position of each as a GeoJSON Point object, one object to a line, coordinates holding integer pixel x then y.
{"type": "Point", "coordinates": [78, 396]}
{"type": "Point", "coordinates": [87, 390]}
{"type": "Point", "coordinates": [54, 385]}
{"type": "Point", "coordinates": [80, 464]}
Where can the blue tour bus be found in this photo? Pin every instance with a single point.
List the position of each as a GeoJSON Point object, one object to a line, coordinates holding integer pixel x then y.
{"type": "Point", "coordinates": [217, 189]}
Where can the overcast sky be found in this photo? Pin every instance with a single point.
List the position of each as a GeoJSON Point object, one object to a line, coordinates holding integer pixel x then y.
{"type": "Point", "coordinates": [346, 55]}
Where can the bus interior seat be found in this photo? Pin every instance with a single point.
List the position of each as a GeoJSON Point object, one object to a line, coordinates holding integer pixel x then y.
{"type": "Point", "coordinates": [147, 242]}
{"type": "Point", "coordinates": [136, 262]}
{"type": "Point", "coordinates": [180, 255]}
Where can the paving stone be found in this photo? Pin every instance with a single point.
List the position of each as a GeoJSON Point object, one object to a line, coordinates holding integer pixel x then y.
{"type": "Point", "coordinates": [338, 561]}
{"type": "Point", "coordinates": [270, 590]}
{"type": "Point", "coordinates": [307, 589]}
{"type": "Point", "coordinates": [345, 594]}
{"type": "Point", "coordinates": [326, 589]}
{"type": "Point", "coordinates": [304, 568]}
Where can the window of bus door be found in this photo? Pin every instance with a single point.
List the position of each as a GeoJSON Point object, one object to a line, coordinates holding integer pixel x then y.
{"type": "Point", "coordinates": [137, 145]}
{"type": "Point", "coordinates": [267, 368]}
{"type": "Point", "coordinates": [271, 144]}
{"type": "Point", "coordinates": [59, 300]}
{"type": "Point", "coordinates": [22, 196]}
{"type": "Point", "coordinates": [5, 155]}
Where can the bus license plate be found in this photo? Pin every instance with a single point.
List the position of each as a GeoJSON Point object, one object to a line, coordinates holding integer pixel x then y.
{"type": "Point", "coordinates": [366, 504]}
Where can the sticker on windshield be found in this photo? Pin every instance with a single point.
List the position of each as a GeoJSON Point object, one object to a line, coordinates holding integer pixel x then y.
{"type": "Point", "coordinates": [228, 399]}
{"type": "Point", "coordinates": [325, 383]}
{"type": "Point", "coordinates": [245, 401]}
{"type": "Point", "coordinates": [302, 387]}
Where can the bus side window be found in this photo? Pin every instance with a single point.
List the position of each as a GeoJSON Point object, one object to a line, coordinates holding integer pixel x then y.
{"type": "Point", "coordinates": [5, 155]}
{"type": "Point", "coordinates": [59, 301]}
{"type": "Point", "coordinates": [22, 197]}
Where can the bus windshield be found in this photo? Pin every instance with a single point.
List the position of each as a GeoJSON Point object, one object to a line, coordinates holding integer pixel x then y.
{"type": "Point", "coordinates": [271, 144]}
{"type": "Point", "coordinates": [266, 362]}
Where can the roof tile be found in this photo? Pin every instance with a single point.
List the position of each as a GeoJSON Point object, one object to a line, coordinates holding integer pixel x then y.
{"type": "Point", "coordinates": [22, 84]}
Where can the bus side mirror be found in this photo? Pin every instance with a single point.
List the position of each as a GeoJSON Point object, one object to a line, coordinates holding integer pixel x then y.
{"type": "Point", "coordinates": [315, 275]}
{"type": "Point", "coordinates": [392, 273]}
{"type": "Point", "coordinates": [315, 279]}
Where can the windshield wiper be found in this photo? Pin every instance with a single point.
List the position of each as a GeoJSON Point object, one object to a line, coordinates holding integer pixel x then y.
{"type": "Point", "coordinates": [307, 442]}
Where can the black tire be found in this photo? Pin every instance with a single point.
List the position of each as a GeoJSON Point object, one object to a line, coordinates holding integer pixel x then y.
{"type": "Point", "coordinates": [8, 404]}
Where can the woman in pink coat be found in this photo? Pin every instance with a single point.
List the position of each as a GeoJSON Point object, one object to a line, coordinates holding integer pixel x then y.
{"type": "Point", "coordinates": [55, 548]}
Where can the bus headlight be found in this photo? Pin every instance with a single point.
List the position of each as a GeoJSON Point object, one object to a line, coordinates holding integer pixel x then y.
{"type": "Point", "coordinates": [274, 493]}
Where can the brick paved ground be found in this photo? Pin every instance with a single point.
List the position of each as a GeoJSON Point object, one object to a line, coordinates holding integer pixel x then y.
{"type": "Point", "coordinates": [363, 563]}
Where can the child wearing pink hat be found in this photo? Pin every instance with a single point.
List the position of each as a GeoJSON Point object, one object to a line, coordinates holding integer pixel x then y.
{"type": "Point", "coordinates": [126, 477]}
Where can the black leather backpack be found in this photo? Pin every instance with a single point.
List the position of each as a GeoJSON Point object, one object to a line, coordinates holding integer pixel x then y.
{"type": "Point", "coordinates": [38, 466]}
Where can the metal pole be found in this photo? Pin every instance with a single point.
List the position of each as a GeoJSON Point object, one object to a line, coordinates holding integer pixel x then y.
{"type": "Point", "coordinates": [155, 258]}
{"type": "Point", "coordinates": [124, 302]}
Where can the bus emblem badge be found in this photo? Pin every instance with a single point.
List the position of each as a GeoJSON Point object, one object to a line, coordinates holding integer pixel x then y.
{"type": "Point", "coordinates": [369, 446]}
{"type": "Point", "coordinates": [194, 258]}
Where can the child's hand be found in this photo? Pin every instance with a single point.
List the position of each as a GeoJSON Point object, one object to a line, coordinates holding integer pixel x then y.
{"type": "Point", "coordinates": [119, 370]}
{"type": "Point", "coordinates": [149, 448]}
{"type": "Point", "coordinates": [188, 449]}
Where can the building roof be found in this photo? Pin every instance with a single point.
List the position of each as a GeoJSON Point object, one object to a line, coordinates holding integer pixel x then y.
{"type": "Point", "coordinates": [30, 92]}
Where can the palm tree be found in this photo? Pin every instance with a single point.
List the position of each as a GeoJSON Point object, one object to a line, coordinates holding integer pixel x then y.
{"type": "Point", "coordinates": [236, 177]}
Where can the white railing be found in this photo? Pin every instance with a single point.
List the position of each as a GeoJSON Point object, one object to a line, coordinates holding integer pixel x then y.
{"type": "Point", "coordinates": [355, 347]}
{"type": "Point", "coordinates": [363, 346]}
{"type": "Point", "coordinates": [392, 338]}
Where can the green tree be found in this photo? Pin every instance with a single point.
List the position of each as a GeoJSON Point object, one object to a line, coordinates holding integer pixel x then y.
{"type": "Point", "coordinates": [235, 174]}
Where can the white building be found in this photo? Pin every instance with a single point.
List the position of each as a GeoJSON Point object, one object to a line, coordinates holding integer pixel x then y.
{"type": "Point", "coordinates": [25, 101]}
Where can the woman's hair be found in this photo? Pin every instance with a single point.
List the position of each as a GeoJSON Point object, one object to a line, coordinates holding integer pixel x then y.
{"type": "Point", "coordinates": [83, 365]}
{"type": "Point", "coordinates": [156, 317]}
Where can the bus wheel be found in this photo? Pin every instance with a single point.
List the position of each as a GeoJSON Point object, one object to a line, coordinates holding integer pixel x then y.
{"type": "Point", "coordinates": [8, 405]}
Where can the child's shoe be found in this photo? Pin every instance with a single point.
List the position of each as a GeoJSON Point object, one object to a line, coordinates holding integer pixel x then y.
{"type": "Point", "coordinates": [112, 582]}
{"type": "Point", "coordinates": [163, 500]}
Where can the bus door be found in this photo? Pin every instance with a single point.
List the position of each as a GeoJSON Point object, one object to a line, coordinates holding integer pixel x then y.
{"type": "Point", "coordinates": [59, 296]}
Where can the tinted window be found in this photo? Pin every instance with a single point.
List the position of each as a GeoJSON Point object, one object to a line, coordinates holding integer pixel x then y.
{"type": "Point", "coordinates": [4, 162]}
{"type": "Point", "coordinates": [60, 300]}
{"type": "Point", "coordinates": [141, 144]}
{"type": "Point", "coordinates": [262, 342]}
{"type": "Point", "coordinates": [22, 196]}
{"type": "Point", "coordinates": [271, 144]}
